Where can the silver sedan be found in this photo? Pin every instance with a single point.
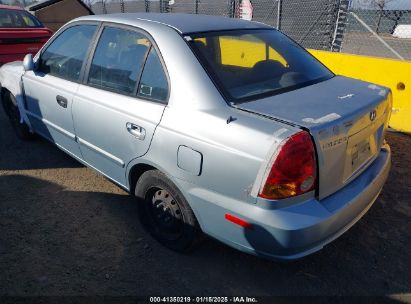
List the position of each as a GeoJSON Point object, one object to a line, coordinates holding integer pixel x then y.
{"type": "Point", "coordinates": [216, 125]}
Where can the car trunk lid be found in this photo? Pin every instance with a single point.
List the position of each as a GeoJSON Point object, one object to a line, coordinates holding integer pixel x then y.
{"type": "Point", "coordinates": [23, 40]}
{"type": "Point", "coordinates": [346, 118]}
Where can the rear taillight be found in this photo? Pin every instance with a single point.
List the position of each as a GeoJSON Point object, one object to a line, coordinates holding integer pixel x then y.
{"type": "Point", "coordinates": [293, 169]}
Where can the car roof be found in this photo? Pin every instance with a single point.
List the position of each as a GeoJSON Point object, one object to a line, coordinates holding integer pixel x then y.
{"type": "Point", "coordinates": [183, 23]}
{"type": "Point", "coordinates": [2, 6]}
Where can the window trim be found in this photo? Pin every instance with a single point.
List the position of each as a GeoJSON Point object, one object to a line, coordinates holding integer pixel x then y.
{"type": "Point", "coordinates": [56, 35]}
{"type": "Point", "coordinates": [92, 52]}
{"type": "Point", "coordinates": [141, 76]}
{"type": "Point", "coordinates": [135, 91]}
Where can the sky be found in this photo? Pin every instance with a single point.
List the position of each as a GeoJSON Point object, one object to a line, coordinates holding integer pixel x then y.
{"type": "Point", "coordinates": [399, 4]}
{"type": "Point", "coordinates": [365, 4]}
{"type": "Point", "coordinates": [391, 4]}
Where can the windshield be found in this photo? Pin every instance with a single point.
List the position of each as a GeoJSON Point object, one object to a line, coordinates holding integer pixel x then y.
{"type": "Point", "coordinates": [17, 19]}
{"type": "Point", "coordinates": [252, 64]}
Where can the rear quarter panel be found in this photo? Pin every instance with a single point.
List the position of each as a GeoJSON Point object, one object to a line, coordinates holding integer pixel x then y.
{"type": "Point", "coordinates": [233, 155]}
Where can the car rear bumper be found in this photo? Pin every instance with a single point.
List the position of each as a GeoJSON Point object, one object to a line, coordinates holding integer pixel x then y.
{"type": "Point", "coordinates": [292, 232]}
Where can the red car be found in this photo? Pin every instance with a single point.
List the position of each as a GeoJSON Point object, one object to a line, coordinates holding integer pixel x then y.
{"type": "Point", "coordinates": [20, 33]}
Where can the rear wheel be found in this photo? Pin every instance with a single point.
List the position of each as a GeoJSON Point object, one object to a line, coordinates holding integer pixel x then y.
{"type": "Point", "coordinates": [21, 129]}
{"type": "Point", "coordinates": [165, 213]}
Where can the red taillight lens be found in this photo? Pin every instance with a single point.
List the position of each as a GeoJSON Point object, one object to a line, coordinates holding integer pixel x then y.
{"type": "Point", "coordinates": [294, 169]}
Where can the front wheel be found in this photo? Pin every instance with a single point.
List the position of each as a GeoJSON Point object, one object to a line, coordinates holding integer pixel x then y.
{"type": "Point", "coordinates": [165, 213]}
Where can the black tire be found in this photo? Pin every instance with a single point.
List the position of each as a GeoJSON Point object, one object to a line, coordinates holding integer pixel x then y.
{"type": "Point", "coordinates": [165, 213]}
{"type": "Point", "coordinates": [21, 129]}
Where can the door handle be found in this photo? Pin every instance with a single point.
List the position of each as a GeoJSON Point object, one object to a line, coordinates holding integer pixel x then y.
{"type": "Point", "coordinates": [62, 101]}
{"type": "Point", "coordinates": [136, 131]}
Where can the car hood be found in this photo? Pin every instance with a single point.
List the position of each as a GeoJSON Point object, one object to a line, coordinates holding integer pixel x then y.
{"type": "Point", "coordinates": [11, 70]}
{"type": "Point", "coordinates": [10, 77]}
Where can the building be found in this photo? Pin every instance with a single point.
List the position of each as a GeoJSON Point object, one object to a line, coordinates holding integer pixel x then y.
{"type": "Point", "coordinates": [55, 13]}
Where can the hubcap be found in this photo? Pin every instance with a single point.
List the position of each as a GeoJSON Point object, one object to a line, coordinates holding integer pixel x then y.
{"type": "Point", "coordinates": [165, 213]}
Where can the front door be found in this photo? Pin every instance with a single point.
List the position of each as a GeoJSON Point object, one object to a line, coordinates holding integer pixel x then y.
{"type": "Point", "coordinates": [50, 88]}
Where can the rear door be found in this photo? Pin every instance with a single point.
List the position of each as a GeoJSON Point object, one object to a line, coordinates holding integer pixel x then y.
{"type": "Point", "coordinates": [51, 86]}
{"type": "Point", "coordinates": [121, 102]}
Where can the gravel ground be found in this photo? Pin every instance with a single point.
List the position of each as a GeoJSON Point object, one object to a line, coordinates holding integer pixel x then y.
{"type": "Point", "coordinates": [65, 230]}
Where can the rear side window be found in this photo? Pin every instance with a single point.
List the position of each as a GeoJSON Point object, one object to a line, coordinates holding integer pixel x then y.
{"type": "Point", "coordinates": [65, 56]}
{"type": "Point", "coordinates": [10, 18]}
{"type": "Point", "coordinates": [153, 83]}
{"type": "Point", "coordinates": [118, 60]}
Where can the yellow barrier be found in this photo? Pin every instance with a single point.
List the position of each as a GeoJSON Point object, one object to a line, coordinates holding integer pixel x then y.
{"type": "Point", "coordinates": [246, 53]}
{"type": "Point", "coordinates": [394, 74]}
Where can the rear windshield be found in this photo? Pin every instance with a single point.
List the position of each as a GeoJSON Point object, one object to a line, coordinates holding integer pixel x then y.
{"type": "Point", "coordinates": [17, 19]}
{"type": "Point", "coordinates": [252, 64]}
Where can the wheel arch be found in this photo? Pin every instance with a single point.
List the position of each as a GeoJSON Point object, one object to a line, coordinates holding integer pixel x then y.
{"type": "Point", "coordinates": [4, 100]}
{"type": "Point", "coordinates": [138, 169]}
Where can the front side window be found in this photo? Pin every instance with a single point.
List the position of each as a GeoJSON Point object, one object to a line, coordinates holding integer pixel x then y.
{"type": "Point", "coordinates": [252, 64]}
{"type": "Point", "coordinates": [65, 56]}
{"type": "Point", "coordinates": [10, 18]}
{"type": "Point", "coordinates": [118, 60]}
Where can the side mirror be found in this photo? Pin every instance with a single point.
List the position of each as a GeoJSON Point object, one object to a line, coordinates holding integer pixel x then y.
{"type": "Point", "coordinates": [28, 62]}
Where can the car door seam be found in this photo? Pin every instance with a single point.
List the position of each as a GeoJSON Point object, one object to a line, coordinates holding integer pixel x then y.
{"type": "Point", "coordinates": [148, 148]}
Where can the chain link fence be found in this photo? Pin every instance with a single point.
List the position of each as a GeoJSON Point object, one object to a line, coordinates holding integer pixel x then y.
{"type": "Point", "coordinates": [378, 31]}
{"type": "Point", "coordinates": [366, 27]}
{"type": "Point", "coordinates": [311, 22]}
{"type": "Point", "coordinates": [207, 7]}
